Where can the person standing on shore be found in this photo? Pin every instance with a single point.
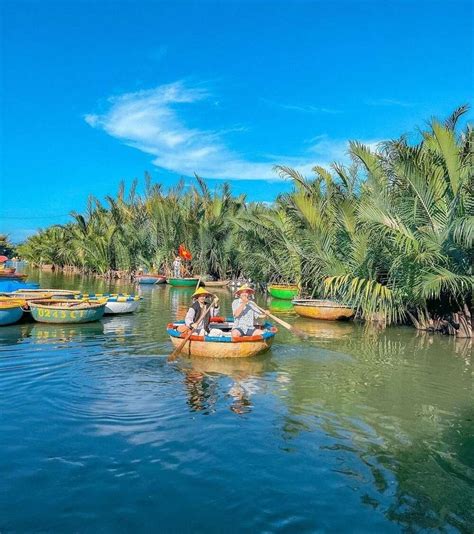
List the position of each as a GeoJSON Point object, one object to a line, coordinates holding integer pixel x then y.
{"type": "Point", "coordinates": [245, 314]}
{"type": "Point", "coordinates": [177, 267]}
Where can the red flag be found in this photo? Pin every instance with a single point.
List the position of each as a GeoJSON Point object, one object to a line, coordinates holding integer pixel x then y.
{"type": "Point", "coordinates": [184, 252]}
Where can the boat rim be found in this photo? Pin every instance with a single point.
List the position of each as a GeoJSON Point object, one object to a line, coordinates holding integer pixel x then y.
{"type": "Point", "coordinates": [314, 303]}
{"type": "Point", "coordinates": [269, 334]}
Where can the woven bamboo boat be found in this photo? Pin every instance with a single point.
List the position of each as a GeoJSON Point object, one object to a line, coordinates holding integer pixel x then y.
{"type": "Point", "coordinates": [327, 310]}
{"type": "Point", "coordinates": [222, 346]}
{"type": "Point", "coordinates": [12, 276]}
{"type": "Point", "coordinates": [11, 310]}
{"type": "Point", "coordinates": [217, 283]}
{"type": "Point", "coordinates": [183, 282]}
{"type": "Point", "coordinates": [116, 302]}
{"type": "Point", "coordinates": [151, 279]}
{"type": "Point", "coordinates": [283, 291]}
{"type": "Point", "coordinates": [54, 293]}
{"type": "Point", "coordinates": [67, 311]}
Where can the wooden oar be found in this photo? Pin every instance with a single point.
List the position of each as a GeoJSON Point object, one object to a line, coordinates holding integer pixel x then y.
{"type": "Point", "coordinates": [180, 347]}
{"type": "Point", "coordinates": [288, 326]}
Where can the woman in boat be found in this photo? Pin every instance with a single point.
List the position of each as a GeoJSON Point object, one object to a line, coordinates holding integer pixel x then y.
{"type": "Point", "coordinates": [195, 311]}
{"type": "Point", "coordinates": [245, 314]}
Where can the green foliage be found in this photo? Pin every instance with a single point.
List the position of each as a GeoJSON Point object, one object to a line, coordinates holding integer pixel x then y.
{"type": "Point", "coordinates": [390, 234]}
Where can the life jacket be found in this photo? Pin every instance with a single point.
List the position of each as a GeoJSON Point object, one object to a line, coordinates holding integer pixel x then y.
{"type": "Point", "coordinates": [197, 312]}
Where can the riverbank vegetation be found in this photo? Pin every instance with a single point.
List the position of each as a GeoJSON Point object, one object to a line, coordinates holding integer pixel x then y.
{"type": "Point", "coordinates": [391, 233]}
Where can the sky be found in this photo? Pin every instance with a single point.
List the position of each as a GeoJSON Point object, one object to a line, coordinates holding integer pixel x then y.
{"type": "Point", "coordinates": [96, 92]}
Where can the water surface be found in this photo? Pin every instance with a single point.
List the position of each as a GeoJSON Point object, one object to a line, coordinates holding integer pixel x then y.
{"type": "Point", "coordinates": [353, 431]}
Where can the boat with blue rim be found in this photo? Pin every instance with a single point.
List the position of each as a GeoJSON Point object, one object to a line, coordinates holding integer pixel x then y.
{"type": "Point", "coordinates": [151, 279]}
{"type": "Point", "coordinates": [219, 343]}
{"type": "Point", "coordinates": [116, 302]}
{"type": "Point", "coordinates": [11, 310]}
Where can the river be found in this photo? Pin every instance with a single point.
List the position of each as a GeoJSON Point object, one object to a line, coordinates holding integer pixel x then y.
{"type": "Point", "coordinates": [355, 430]}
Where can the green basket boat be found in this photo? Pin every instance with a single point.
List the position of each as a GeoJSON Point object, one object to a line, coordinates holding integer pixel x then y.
{"type": "Point", "coordinates": [67, 311]}
{"type": "Point", "coordinates": [283, 291]}
{"type": "Point", "coordinates": [183, 282]}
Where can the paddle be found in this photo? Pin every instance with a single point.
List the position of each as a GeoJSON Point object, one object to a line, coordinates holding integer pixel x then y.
{"type": "Point", "coordinates": [180, 347]}
{"type": "Point", "coordinates": [288, 326]}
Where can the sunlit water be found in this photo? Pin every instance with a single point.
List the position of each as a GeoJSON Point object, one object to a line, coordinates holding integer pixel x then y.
{"type": "Point", "coordinates": [352, 431]}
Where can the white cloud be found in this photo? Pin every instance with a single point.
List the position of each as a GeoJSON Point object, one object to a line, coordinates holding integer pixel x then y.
{"type": "Point", "coordinates": [302, 108]}
{"type": "Point", "coordinates": [389, 102]}
{"type": "Point", "coordinates": [151, 121]}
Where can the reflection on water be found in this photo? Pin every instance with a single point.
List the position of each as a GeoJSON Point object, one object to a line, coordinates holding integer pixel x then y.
{"type": "Point", "coordinates": [281, 306]}
{"type": "Point", "coordinates": [326, 330]}
{"type": "Point", "coordinates": [350, 429]}
{"type": "Point", "coordinates": [64, 333]}
{"type": "Point", "coordinates": [202, 376]}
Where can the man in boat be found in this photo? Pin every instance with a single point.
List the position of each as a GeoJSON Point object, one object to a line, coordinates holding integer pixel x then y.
{"type": "Point", "coordinates": [245, 314]}
{"type": "Point", "coordinates": [195, 311]}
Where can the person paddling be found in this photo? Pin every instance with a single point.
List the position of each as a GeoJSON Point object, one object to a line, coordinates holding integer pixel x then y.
{"type": "Point", "coordinates": [245, 314]}
{"type": "Point", "coordinates": [195, 311]}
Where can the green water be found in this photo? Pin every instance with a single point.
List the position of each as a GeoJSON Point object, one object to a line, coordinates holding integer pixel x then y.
{"type": "Point", "coordinates": [352, 431]}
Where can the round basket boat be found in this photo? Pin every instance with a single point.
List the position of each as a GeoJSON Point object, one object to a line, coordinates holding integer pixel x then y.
{"type": "Point", "coordinates": [217, 283]}
{"type": "Point", "coordinates": [327, 310]}
{"type": "Point", "coordinates": [183, 282]}
{"type": "Point", "coordinates": [116, 302]}
{"type": "Point", "coordinates": [12, 276]}
{"type": "Point", "coordinates": [11, 310]}
{"type": "Point", "coordinates": [54, 293]}
{"type": "Point", "coordinates": [151, 279]}
{"type": "Point", "coordinates": [67, 311]}
{"type": "Point", "coordinates": [223, 346]}
{"type": "Point", "coordinates": [283, 291]}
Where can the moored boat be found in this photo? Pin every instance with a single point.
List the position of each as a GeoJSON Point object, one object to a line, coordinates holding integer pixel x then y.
{"type": "Point", "coordinates": [222, 345]}
{"type": "Point", "coordinates": [283, 291]}
{"type": "Point", "coordinates": [12, 276]}
{"type": "Point", "coordinates": [327, 310]}
{"type": "Point", "coordinates": [67, 311]}
{"type": "Point", "coordinates": [11, 310]}
{"type": "Point", "coordinates": [216, 283]}
{"type": "Point", "coordinates": [116, 303]}
{"type": "Point", "coordinates": [151, 279]}
{"type": "Point", "coordinates": [54, 293]}
{"type": "Point", "coordinates": [183, 282]}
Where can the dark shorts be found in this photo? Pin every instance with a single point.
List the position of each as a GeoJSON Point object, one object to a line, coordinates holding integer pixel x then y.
{"type": "Point", "coordinates": [248, 332]}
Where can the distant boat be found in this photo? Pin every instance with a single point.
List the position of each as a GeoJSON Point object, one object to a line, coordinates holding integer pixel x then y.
{"type": "Point", "coordinates": [328, 310]}
{"type": "Point", "coordinates": [283, 291]}
{"type": "Point", "coordinates": [151, 279]}
{"type": "Point", "coordinates": [215, 283]}
{"type": "Point", "coordinates": [183, 282]}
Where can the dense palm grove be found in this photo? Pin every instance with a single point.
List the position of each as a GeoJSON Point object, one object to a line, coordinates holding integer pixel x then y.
{"type": "Point", "coordinates": [391, 234]}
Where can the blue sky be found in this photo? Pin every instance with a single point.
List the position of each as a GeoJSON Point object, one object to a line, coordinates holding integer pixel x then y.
{"type": "Point", "coordinates": [96, 92]}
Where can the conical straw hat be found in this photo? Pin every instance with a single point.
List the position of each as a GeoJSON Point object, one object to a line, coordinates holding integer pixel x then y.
{"type": "Point", "coordinates": [245, 288]}
{"type": "Point", "coordinates": [201, 291]}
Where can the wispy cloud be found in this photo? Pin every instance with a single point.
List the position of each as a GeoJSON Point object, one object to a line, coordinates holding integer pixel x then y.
{"type": "Point", "coordinates": [301, 108]}
{"type": "Point", "coordinates": [389, 102]}
{"type": "Point", "coordinates": [151, 121]}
